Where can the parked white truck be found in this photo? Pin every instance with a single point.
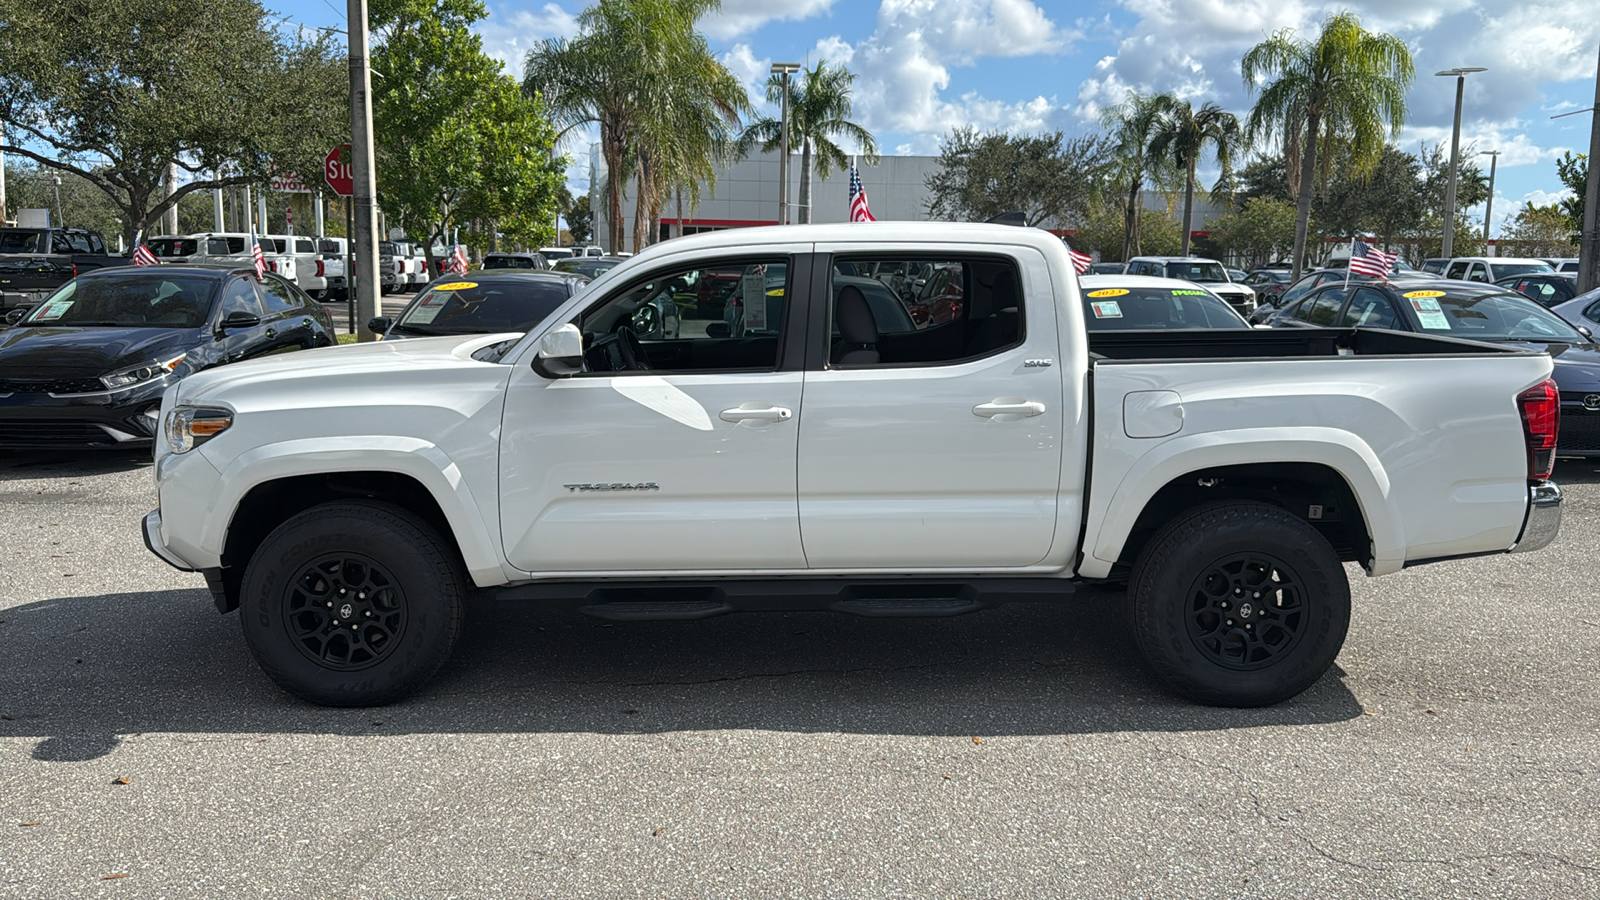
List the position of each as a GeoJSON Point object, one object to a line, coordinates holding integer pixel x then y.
{"type": "Point", "coordinates": [825, 451]}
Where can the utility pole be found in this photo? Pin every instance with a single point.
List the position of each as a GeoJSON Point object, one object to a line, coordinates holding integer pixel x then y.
{"type": "Point", "coordinates": [218, 222]}
{"type": "Point", "coordinates": [1589, 245]}
{"type": "Point", "coordinates": [784, 70]}
{"type": "Point", "coordinates": [364, 238]}
{"type": "Point", "coordinates": [1488, 208]}
{"type": "Point", "coordinates": [169, 219]}
{"type": "Point", "coordinates": [1460, 74]}
{"type": "Point", "coordinates": [2, 176]}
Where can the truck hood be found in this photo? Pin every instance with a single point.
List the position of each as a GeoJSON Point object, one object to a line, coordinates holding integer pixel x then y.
{"type": "Point", "coordinates": [382, 364]}
{"type": "Point", "coordinates": [87, 351]}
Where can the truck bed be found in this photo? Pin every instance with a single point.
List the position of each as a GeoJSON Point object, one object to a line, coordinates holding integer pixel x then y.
{"type": "Point", "coordinates": [1280, 343]}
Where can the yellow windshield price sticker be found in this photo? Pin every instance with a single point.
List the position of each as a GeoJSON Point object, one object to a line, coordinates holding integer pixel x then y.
{"type": "Point", "coordinates": [1415, 294]}
{"type": "Point", "coordinates": [1108, 292]}
{"type": "Point", "coordinates": [455, 286]}
{"type": "Point", "coordinates": [1180, 292]}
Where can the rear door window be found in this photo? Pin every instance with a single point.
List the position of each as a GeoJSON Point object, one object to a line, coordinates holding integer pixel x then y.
{"type": "Point", "coordinates": [277, 297]}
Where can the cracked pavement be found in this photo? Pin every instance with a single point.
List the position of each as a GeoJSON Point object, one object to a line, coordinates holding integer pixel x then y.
{"type": "Point", "coordinates": [1019, 752]}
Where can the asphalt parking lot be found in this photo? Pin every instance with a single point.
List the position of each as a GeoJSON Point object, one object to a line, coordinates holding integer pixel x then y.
{"type": "Point", "coordinates": [1454, 751]}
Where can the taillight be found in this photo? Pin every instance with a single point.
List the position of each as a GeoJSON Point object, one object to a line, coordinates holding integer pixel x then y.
{"type": "Point", "coordinates": [1541, 422]}
{"type": "Point", "coordinates": [320, 272]}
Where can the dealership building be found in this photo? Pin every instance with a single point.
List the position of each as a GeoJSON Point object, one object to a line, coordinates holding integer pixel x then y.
{"type": "Point", "coordinates": [746, 194]}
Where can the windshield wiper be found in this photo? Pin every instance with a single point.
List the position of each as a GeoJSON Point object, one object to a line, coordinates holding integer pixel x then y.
{"type": "Point", "coordinates": [419, 329]}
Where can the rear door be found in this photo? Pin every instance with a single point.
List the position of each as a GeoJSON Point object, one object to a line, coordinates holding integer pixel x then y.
{"type": "Point", "coordinates": [932, 445]}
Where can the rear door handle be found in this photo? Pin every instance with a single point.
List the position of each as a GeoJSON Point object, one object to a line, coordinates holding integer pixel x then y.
{"type": "Point", "coordinates": [761, 414]}
{"type": "Point", "coordinates": [1008, 407]}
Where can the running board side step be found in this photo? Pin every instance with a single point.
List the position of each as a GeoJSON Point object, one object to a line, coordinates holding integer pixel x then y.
{"type": "Point", "coordinates": [908, 607]}
{"type": "Point", "coordinates": [646, 610]}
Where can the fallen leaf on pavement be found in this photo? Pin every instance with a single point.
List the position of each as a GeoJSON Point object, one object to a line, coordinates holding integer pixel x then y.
{"type": "Point", "coordinates": [26, 824]}
{"type": "Point", "coordinates": [121, 779]}
{"type": "Point", "coordinates": [658, 831]}
{"type": "Point", "coordinates": [117, 875]}
{"type": "Point", "coordinates": [977, 740]}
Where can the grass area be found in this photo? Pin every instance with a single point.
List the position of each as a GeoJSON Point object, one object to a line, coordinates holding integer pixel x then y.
{"type": "Point", "coordinates": [347, 339]}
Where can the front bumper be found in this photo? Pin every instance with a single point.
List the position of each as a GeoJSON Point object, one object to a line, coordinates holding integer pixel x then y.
{"type": "Point", "coordinates": [121, 419]}
{"type": "Point", "coordinates": [152, 542]}
{"type": "Point", "coordinates": [1544, 517]}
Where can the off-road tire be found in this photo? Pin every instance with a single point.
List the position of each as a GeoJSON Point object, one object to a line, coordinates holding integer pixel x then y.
{"type": "Point", "coordinates": [423, 609]}
{"type": "Point", "coordinates": [1184, 572]}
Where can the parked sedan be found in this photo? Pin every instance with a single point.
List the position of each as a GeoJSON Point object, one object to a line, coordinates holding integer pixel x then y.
{"type": "Point", "coordinates": [1481, 312]}
{"type": "Point", "coordinates": [483, 302]}
{"type": "Point", "coordinates": [1546, 289]}
{"type": "Point", "coordinates": [1582, 311]}
{"type": "Point", "coordinates": [1269, 284]}
{"type": "Point", "coordinates": [1141, 303]}
{"type": "Point", "coordinates": [87, 367]}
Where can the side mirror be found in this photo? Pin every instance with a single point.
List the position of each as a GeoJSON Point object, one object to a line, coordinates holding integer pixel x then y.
{"type": "Point", "coordinates": [240, 319]}
{"type": "Point", "coordinates": [379, 325]}
{"type": "Point", "coordinates": [15, 315]}
{"type": "Point", "coordinates": [717, 330]}
{"type": "Point", "coordinates": [560, 352]}
{"type": "Point", "coordinates": [1581, 330]}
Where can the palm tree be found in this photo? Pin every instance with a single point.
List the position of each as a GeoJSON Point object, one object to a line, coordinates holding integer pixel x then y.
{"type": "Point", "coordinates": [1182, 135]}
{"type": "Point", "coordinates": [633, 64]}
{"type": "Point", "coordinates": [819, 111]}
{"type": "Point", "coordinates": [1345, 85]}
{"type": "Point", "coordinates": [1131, 126]}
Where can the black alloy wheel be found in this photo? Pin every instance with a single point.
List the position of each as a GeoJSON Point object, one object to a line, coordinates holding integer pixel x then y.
{"type": "Point", "coordinates": [345, 612]}
{"type": "Point", "coordinates": [1247, 612]}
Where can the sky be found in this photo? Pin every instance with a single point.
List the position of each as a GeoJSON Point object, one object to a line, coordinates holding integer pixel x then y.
{"type": "Point", "coordinates": [924, 67]}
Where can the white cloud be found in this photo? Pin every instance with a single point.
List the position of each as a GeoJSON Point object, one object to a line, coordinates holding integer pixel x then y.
{"type": "Point", "coordinates": [509, 34]}
{"type": "Point", "coordinates": [1510, 138]}
{"type": "Point", "coordinates": [740, 17]}
{"type": "Point", "coordinates": [751, 72]}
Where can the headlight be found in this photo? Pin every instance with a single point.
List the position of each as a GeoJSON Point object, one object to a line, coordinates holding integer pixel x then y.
{"type": "Point", "coordinates": [139, 374]}
{"type": "Point", "coordinates": [189, 427]}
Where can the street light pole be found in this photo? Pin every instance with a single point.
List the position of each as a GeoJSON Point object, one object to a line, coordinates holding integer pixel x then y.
{"type": "Point", "coordinates": [60, 222]}
{"type": "Point", "coordinates": [1488, 209]}
{"type": "Point", "coordinates": [364, 239]}
{"type": "Point", "coordinates": [1589, 245]}
{"type": "Point", "coordinates": [1460, 75]}
{"type": "Point", "coordinates": [784, 70]}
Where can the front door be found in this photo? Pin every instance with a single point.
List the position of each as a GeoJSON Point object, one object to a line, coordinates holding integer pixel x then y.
{"type": "Point", "coordinates": [675, 448]}
{"type": "Point", "coordinates": [931, 444]}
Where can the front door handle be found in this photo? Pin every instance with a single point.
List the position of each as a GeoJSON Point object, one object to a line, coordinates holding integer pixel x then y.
{"type": "Point", "coordinates": [272, 332]}
{"type": "Point", "coordinates": [758, 413]}
{"type": "Point", "coordinates": [1006, 406]}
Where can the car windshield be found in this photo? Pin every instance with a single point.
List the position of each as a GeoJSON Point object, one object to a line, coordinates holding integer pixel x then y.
{"type": "Point", "coordinates": [501, 261]}
{"type": "Point", "coordinates": [1202, 272]}
{"type": "Point", "coordinates": [166, 248]}
{"type": "Point", "coordinates": [589, 267]}
{"type": "Point", "coordinates": [1147, 308]}
{"type": "Point", "coordinates": [1490, 317]}
{"type": "Point", "coordinates": [1504, 270]}
{"type": "Point", "coordinates": [469, 307]}
{"type": "Point", "coordinates": [555, 252]}
{"type": "Point", "coordinates": [129, 300]}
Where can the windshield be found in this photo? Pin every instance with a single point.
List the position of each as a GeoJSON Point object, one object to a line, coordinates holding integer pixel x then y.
{"type": "Point", "coordinates": [1148, 308]}
{"type": "Point", "coordinates": [1506, 270]}
{"type": "Point", "coordinates": [1490, 317]}
{"type": "Point", "coordinates": [555, 252]}
{"type": "Point", "coordinates": [589, 267]}
{"type": "Point", "coordinates": [498, 261]}
{"type": "Point", "coordinates": [466, 307]}
{"type": "Point", "coordinates": [166, 248]}
{"type": "Point", "coordinates": [1203, 272]}
{"type": "Point", "coordinates": [129, 300]}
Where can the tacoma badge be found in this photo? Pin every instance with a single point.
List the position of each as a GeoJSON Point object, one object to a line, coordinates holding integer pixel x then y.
{"type": "Point", "coordinates": [641, 486]}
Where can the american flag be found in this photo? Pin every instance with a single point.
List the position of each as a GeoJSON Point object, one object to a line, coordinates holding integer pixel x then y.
{"type": "Point", "coordinates": [1080, 261]}
{"type": "Point", "coordinates": [1365, 260]}
{"type": "Point", "coordinates": [859, 211]}
{"type": "Point", "coordinates": [143, 256]}
{"type": "Point", "coordinates": [256, 257]}
{"type": "Point", "coordinates": [457, 263]}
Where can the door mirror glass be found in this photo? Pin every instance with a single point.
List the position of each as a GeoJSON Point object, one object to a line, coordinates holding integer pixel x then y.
{"type": "Point", "coordinates": [15, 316]}
{"type": "Point", "coordinates": [717, 330]}
{"type": "Point", "coordinates": [560, 352]}
{"type": "Point", "coordinates": [1581, 330]}
{"type": "Point", "coordinates": [240, 320]}
{"type": "Point", "coordinates": [379, 325]}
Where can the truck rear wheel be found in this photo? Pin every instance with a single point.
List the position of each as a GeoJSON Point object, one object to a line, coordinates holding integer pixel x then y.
{"type": "Point", "coordinates": [352, 604]}
{"type": "Point", "coordinates": [1239, 604]}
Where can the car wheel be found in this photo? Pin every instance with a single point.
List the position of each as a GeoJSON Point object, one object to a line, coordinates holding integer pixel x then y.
{"type": "Point", "coordinates": [1239, 604]}
{"type": "Point", "coordinates": [352, 603]}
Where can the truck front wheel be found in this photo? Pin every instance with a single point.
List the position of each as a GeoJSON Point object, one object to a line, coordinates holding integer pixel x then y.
{"type": "Point", "coordinates": [352, 604]}
{"type": "Point", "coordinates": [1239, 604]}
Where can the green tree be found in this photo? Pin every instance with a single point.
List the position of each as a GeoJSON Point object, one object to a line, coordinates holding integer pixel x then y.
{"type": "Point", "coordinates": [1542, 231]}
{"type": "Point", "coordinates": [459, 145]}
{"type": "Point", "coordinates": [1574, 172]}
{"type": "Point", "coordinates": [1261, 232]}
{"type": "Point", "coordinates": [115, 91]}
{"type": "Point", "coordinates": [819, 112]}
{"type": "Point", "coordinates": [1182, 136]}
{"type": "Point", "coordinates": [663, 103]}
{"type": "Point", "coordinates": [1386, 200]}
{"type": "Point", "coordinates": [1104, 227]}
{"type": "Point", "coordinates": [1052, 180]}
{"type": "Point", "coordinates": [1265, 177]}
{"type": "Point", "coordinates": [1131, 127]}
{"type": "Point", "coordinates": [1347, 85]}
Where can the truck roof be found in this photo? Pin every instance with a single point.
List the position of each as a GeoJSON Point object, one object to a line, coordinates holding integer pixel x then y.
{"type": "Point", "coordinates": [921, 233]}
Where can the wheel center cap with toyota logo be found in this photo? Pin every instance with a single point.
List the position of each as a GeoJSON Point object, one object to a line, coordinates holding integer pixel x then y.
{"type": "Point", "coordinates": [346, 611]}
{"type": "Point", "coordinates": [1591, 401]}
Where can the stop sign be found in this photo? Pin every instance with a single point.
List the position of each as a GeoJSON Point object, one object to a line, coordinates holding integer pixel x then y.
{"type": "Point", "coordinates": [336, 170]}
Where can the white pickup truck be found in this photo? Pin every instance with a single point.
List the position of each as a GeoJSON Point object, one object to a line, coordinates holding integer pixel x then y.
{"type": "Point", "coordinates": [824, 450]}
